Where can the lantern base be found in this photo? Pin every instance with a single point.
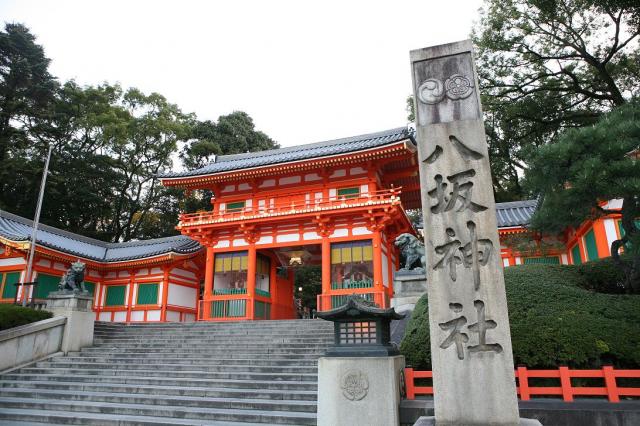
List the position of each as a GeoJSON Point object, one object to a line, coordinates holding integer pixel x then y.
{"type": "Point", "coordinates": [431, 421]}
{"type": "Point", "coordinates": [359, 391]}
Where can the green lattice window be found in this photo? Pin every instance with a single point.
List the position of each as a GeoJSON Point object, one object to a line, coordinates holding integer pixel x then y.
{"type": "Point", "coordinates": [147, 294]}
{"type": "Point", "coordinates": [548, 260]}
{"type": "Point", "coordinates": [591, 246]}
{"type": "Point", "coordinates": [115, 295]}
{"type": "Point", "coordinates": [352, 192]}
{"type": "Point", "coordinates": [90, 287]}
{"type": "Point", "coordinates": [7, 281]}
{"type": "Point", "coordinates": [46, 284]}
{"type": "Point", "coordinates": [237, 205]}
{"type": "Point", "coordinates": [575, 254]}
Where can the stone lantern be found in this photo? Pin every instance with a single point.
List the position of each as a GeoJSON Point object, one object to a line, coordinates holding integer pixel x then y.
{"type": "Point", "coordinates": [361, 329]}
{"type": "Point", "coordinates": [359, 377]}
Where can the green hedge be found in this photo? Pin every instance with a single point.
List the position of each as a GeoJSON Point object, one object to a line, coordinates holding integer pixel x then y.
{"type": "Point", "coordinates": [14, 316]}
{"type": "Point", "coordinates": [554, 321]}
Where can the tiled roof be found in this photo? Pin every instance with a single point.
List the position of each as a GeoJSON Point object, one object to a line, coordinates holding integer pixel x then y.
{"type": "Point", "coordinates": [514, 213]}
{"type": "Point", "coordinates": [227, 163]}
{"type": "Point", "coordinates": [16, 228]}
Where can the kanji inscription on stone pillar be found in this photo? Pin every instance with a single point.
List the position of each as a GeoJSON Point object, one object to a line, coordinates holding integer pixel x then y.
{"type": "Point", "coordinates": [471, 354]}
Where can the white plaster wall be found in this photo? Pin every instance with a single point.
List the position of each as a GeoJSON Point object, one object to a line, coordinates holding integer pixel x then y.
{"type": "Point", "coordinates": [244, 187]}
{"type": "Point", "coordinates": [180, 295]}
{"type": "Point", "coordinates": [268, 183]}
{"type": "Point", "coordinates": [153, 315]}
{"type": "Point", "coordinates": [332, 193]}
{"type": "Point", "coordinates": [59, 266]}
{"type": "Point", "coordinates": [564, 259]}
{"type": "Point", "coordinates": [311, 177]}
{"type": "Point", "coordinates": [385, 270]}
{"type": "Point", "coordinates": [339, 173]}
{"type": "Point", "coordinates": [223, 244]}
{"type": "Point", "coordinates": [310, 236]}
{"type": "Point", "coordinates": [137, 315]}
{"type": "Point", "coordinates": [284, 238]}
{"type": "Point", "coordinates": [505, 262]}
{"type": "Point", "coordinates": [110, 275]}
{"type": "Point", "coordinates": [290, 180]}
{"type": "Point", "coordinates": [265, 239]}
{"type": "Point", "coordinates": [228, 188]}
{"type": "Point", "coordinates": [189, 317]}
{"type": "Point", "coordinates": [357, 171]}
{"type": "Point", "coordinates": [360, 230]}
{"type": "Point", "coordinates": [610, 230]}
{"type": "Point", "coordinates": [173, 316]}
{"type": "Point", "coordinates": [239, 242]}
{"type": "Point", "coordinates": [122, 274]}
{"type": "Point", "coordinates": [518, 261]}
{"type": "Point", "coordinates": [44, 263]}
{"type": "Point", "coordinates": [183, 273]}
{"type": "Point", "coordinates": [613, 204]}
{"type": "Point", "coordinates": [120, 316]}
{"type": "Point", "coordinates": [340, 233]}
{"type": "Point", "coordinates": [104, 316]}
{"type": "Point", "coordinates": [12, 261]}
{"type": "Point", "coordinates": [156, 270]}
{"type": "Point", "coordinates": [364, 189]}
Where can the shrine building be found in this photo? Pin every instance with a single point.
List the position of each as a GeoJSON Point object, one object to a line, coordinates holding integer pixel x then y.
{"type": "Point", "coordinates": [338, 204]}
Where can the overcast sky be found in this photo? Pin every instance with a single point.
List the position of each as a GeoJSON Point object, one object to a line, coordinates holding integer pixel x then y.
{"type": "Point", "coordinates": [304, 71]}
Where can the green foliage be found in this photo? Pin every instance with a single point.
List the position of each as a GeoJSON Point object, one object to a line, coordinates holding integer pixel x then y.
{"type": "Point", "coordinates": [15, 316]}
{"type": "Point", "coordinates": [109, 146]}
{"type": "Point", "coordinates": [545, 66]}
{"type": "Point", "coordinates": [602, 276]}
{"type": "Point", "coordinates": [310, 279]}
{"type": "Point", "coordinates": [586, 166]}
{"type": "Point", "coordinates": [554, 321]}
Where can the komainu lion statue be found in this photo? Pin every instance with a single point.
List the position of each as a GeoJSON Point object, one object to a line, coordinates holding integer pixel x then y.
{"type": "Point", "coordinates": [73, 279]}
{"type": "Point", "coordinates": [412, 251]}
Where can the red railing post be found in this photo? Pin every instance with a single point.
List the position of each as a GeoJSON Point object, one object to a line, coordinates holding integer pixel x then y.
{"type": "Point", "coordinates": [610, 383]}
{"type": "Point", "coordinates": [565, 384]}
{"type": "Point", "coordinates": [409, 383]}
{"type": "Point", "coordinates": [523, 382]}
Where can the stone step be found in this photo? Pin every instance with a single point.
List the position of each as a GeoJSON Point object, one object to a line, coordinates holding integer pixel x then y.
{"type": "Point", "coordinates": [204, 361]}
{"type": "Point", "coordinates": [247, 368]}
{"type": "Point", "coordinates": [218, 344]}
{"type": "Point", "coordinates": [215, 340]}
{"type": "Point", "coordinates": [201, 391]}
{"type": "Point", "coordinates": [217, 351]}
{"type": "Point", "coordinates": [168, 380]}
{"type": "Point", "coordinates": [175, 374]}
{"type": "Point", "coordinates": [163, 400]}
{"type": "Point", "coordinates": [26, 417]}
{"type": "Point", "coordinates": [195, 413]}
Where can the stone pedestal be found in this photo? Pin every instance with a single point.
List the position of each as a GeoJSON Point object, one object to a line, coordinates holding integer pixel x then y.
{"type": "Point", "coordinates": [77, 308]}
{"type": "Point", "coordinates": [408, 288]}
{"type": "Point", "coordinates": [431, 421]}
{"type": "Point", "coordinates": [359, 391]}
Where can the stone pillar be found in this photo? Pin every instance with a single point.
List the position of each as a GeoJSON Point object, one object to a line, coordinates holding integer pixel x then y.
{"type": "Point", "coordinates": [408, 288]}
{"type": "Point", "coordinates": [473, 372]}
{"type": "Point", "coordinates": [78, 331]}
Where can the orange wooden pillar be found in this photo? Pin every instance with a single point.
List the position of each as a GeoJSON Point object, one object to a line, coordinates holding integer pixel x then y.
{"type": "Point", "coordinates": [377, 265]}
{"type": "Point", "coordinates": [208, 284]}
{"type": "Point", "coordinates": [251, 280]}
{"type": "Point", "coordinates": [602, 244]}
{"type": "Point", "coordinates": [132, 284]}
{"type": "Point", "coordinates": [326, 274]}
{"type": "Point", "coordinates": [276, 303]}
{"type": "Point", "coordinates": [165, 294]}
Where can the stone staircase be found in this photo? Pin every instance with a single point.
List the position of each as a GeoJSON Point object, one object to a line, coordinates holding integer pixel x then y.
{"type": "Point", "coordinates": [234, 374]}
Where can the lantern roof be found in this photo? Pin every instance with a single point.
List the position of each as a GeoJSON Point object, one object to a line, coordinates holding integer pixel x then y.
{"type": "Point", "coordinates": [358, 308]}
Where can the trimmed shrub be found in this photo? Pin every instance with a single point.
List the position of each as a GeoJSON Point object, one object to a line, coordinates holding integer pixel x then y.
{"type": "Point", "coordinates": [603, 276]}
{"type": "Point", "coordinates": [554, 322]}
{"type": "Point", "coordinates": [15, 316]}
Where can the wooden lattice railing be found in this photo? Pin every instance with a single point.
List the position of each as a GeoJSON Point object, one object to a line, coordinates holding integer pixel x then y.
{"type": "Point", "coordinates": [564, 388]}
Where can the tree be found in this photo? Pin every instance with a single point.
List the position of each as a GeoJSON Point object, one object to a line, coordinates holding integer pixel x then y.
{"type": "Point", "coordinates": [309, 279]}
{"type": "Point", "coordinates": [550, 65]}
{"type": "Point", "coordinates": [26, 95]}
{"type": "Point", "coordinates": [234, 133]}
{"type": "Point", "coordinates": [581, 171]}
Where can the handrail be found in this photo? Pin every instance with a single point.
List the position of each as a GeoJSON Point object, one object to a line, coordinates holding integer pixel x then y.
{"type": "Point", "coordinates": [281, 207]}
{"type": "Point", "coordinates": [611, 390]}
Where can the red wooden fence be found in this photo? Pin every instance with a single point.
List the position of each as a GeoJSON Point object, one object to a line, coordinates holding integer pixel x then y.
{"type": "Point", "coordinates": [610, 389]}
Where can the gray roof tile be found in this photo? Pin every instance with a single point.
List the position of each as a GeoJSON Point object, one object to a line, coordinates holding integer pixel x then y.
{"type": "Point", "coordinates": [513, 213]}
{"type": "Point", "coordinates": [16, 228]}
{"type": "Point", "coordinates": [227, 163]}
